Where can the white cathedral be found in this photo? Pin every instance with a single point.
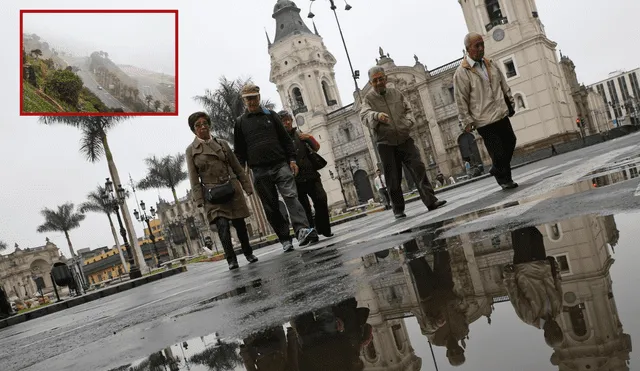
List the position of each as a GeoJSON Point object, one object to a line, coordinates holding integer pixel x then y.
{"type": "Point", "coordinates": [303, 70]}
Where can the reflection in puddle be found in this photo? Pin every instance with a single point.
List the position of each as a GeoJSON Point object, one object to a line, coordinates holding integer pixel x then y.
{"type": "Point", "coordinates": [552, 280]}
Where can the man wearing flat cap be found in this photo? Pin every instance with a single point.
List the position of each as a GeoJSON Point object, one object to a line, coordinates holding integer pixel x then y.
{"type": "Point", "coordinates": [262, 142]}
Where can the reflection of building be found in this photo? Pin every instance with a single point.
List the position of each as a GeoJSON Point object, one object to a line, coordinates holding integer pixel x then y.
{"type": "Point", "coordinates": [302, 68]}
{"type": "Point", "coordinates": [592, 329]}
{"type": "Point", "coordinates": [19, 269]}
{"type": "Point", "coordinates": [389, 300]}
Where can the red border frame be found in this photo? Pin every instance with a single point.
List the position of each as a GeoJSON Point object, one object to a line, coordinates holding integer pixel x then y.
{"type": "Point", "coordinates": [23, 11]}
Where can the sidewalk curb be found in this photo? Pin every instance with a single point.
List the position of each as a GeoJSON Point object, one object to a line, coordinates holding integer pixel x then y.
{"type": "Point", "coordinates": [94, 295]}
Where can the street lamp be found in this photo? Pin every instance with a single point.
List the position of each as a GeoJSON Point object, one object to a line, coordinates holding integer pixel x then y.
{"type": "Point", "coordinates": [615, 105]}
{"type": "Point", "coordinates": [337, 176]}
{"type": "Point", "coordinates": [354, 74]}
{"type": "Point", "coordinates": [146, 218]}
{"type": "Point", "coordinates": [115, 201]}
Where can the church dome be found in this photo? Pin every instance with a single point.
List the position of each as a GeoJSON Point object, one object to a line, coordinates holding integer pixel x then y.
{"type": "Point", "coordinates": [281, 4]}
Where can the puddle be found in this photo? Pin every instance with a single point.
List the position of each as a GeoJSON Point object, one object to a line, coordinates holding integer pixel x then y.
{"type": "Point", "coordinates": [558, 295]}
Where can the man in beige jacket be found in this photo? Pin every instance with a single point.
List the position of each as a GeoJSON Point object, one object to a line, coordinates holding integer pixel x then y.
{"type": "Point", "coordinates": [485, 102]}
{"type": "Point", "coordinates": [388, 113]}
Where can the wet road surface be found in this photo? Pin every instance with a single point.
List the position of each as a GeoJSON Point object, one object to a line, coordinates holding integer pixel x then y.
{"type": "Point", "coordinates": [469, 285]}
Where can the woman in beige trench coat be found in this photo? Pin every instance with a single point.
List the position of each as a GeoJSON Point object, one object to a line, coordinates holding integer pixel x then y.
{"type": "Point", "coordinates": [211, 162]}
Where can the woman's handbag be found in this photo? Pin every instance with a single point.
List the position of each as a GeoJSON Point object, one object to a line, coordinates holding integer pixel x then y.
{"type": "Point", "coordinates": [317, 161]}
{"type": "Point", "coordinates": [220, 193]}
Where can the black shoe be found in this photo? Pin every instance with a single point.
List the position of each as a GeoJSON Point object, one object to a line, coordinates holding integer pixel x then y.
{"type": "Point", "coordinates": [509, 185]}
{"type": "Point", "coordinates": [400, 215]}
{"type": "Point", "coordinates": [251, 258]}
{"type": "Point", "coordinates": [233, 264]}
{"type": "Point", "coordinates": [328, 234]}
{"type": "Point", "coordinates": [437, 204]}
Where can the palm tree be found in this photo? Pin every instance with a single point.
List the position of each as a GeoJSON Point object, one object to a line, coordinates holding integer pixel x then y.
{"type": "Point", "coordinates": [148, 98]}
{"type": "Point", "coordinates": [93, 146]}
{"type": "Point", "coordinates": [62, 220]}
{"type": "Point", "coordinates": [166, 108]}
{"type": "Point", "coordinates": [167, 172]}
{"type": "Point", "coordinates": [96, 204]}
{"type": "Point", "coordinates": [224, 105]}
{"type": "Point", "coordinates": [157, 105]}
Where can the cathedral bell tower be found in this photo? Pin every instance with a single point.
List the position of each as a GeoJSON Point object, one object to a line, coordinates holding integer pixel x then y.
{"type": "Point", "coordinates": [515, 39]}
{"type": "Point", "coordinates": [302, 69]}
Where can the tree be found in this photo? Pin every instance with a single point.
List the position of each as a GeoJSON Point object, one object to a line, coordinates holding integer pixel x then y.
{"type": "Point", "coordinates": [36, 53]}
{"type": "Point", "coordinates": [96, 204]}
{"type": "Point", "coordinates": [157, 105]}
{"type": "Point", "coordinates": [167, 172]}
{"type": "Point", "coordinates": [224, 105]}
{"type": "Point", "coordinates": [62, 220]}
{"type": "Point", "coordinates": [148, 98]}
{"type": "Point", "coordinates": [94, 145]}
{"type": "Point", "coordinates": [3, 245]}
{"type": "Point", "coordinates": [65, 84]}
{"type": "Point", "coordinates": [166, 108]}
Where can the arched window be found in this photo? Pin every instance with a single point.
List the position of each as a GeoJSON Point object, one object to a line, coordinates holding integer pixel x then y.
{"type": "Point", "coordinates": [327, 94]}
{"type": "Point", "coordinates": [371, 353]}
{"type": "Point", "coordinates": [297, 96]}
{"type": "Point", "coordinates": [578, 322]}
{"type": "Point", "coordinates": [495, 13]}
{"type": "Point", "coordinates": [520, 104]}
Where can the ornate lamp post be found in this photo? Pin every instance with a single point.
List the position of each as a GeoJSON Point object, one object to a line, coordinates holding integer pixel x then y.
{"type": "Point", "coordinates": [115, 201]}
{"type": "Point", "coordinates": [146, 218]}
{"type": "Point", "coordinates": [337, 176]}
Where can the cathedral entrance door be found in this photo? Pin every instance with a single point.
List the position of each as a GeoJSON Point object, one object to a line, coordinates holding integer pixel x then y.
{"type": "Point", "coordinates": [363, 186]}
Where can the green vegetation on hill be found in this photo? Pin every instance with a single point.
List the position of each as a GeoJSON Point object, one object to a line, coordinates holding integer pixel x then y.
{"type": "Point", "coordinates": [48, 89]}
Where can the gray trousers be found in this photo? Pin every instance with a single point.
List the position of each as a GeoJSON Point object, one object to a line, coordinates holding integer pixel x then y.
{"type": "Point", "coordinates": [268, 182]}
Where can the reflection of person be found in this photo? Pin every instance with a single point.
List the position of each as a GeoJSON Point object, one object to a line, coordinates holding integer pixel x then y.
{"type": "Point", "coordinates": [481, 94]}
{"type": "Point", "coordinates": [444, 311]}
{"type": "Point", "coordinates": [266, 350]}
{"type": "Point", "coordinates": [533, 284]}
{"type": "Point", "coordinates": [262, 142]}
{"type": "Point", "coordinates": [388, 113]}
{"type": "Point", "coordinates": [381, 186]}
{"type": "Point", "coordinates": [211, 162]}
{"type": "Point", "coordinates": [331, 338]}
{"type": "Point", "coordinates": [308, 180]}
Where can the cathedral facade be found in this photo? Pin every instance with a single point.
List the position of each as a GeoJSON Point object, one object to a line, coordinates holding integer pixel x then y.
{"type": "Point", "coordinates": [302, 68]}
{"type": "Point", "coordinates": [19, 270]}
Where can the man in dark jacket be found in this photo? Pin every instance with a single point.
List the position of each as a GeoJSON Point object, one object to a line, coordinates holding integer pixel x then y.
{"type": "Point", "coordinates": [308, 179]}
{"type": "Point", "coordinates": [262, 142]}
{"type": "Point", "coordinates": [388, 113]}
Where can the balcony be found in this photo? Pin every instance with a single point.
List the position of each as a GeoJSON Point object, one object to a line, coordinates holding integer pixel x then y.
{"type": "Point", "coordinates": [301, 109]}
{"type": "Point", "coordinates": [496, 22]}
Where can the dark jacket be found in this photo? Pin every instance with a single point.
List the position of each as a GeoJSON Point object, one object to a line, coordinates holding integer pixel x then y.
{"type": "Point", "coordinates": [261, 140]}
{"type": "Point", "coordinates": [397, 107]}
{"type": "Point", "coordinates": [306, 172]}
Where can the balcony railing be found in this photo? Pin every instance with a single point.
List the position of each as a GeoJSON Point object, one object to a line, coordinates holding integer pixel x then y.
{"type": "Point", "coordinates": [301, 109]}
{"type": "Point", "coordinates": [496, 22]}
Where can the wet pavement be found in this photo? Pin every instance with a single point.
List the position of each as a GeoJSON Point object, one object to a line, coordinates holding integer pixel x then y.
{"type": "Point", "coordinates": [539, 278]}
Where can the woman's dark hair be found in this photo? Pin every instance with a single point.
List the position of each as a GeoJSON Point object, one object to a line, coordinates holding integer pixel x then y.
{"type": "Point", "coordinates": [195, 117]}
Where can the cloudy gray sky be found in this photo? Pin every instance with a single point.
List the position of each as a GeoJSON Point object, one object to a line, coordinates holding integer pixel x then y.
{"type": "Point", "coordinates": [145, 40]}
{"type": "Point", "coordinates": [41, 165]}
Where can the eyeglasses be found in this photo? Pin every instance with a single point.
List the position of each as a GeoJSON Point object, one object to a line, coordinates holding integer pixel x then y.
{"type": "Point", "coordinates": [202, 124]}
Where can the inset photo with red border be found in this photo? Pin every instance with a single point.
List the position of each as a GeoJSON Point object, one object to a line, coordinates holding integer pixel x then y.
{"type": "Point", "coordinates": [98, 62]}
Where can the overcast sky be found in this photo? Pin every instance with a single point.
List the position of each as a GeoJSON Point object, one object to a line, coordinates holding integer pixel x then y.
{"type": "Point", "coordinates": [145, 40]}
{"type": "Point", "coordinates": [41, 166]}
